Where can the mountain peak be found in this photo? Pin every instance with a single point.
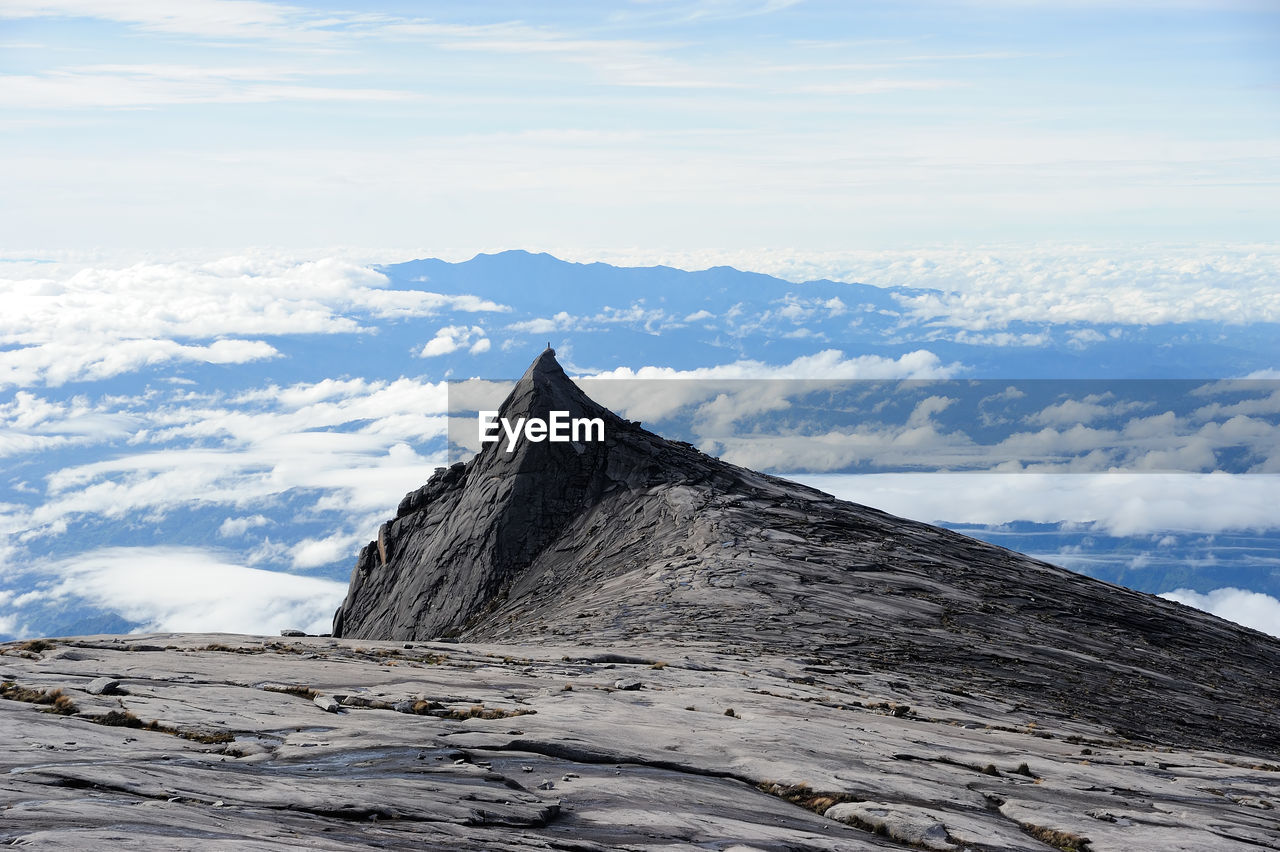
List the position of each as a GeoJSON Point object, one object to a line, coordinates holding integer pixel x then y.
{"type": "Point", "coordinates": [545, 385]}
{"type": "Point", "coordinates": [458, 543]}
{"type": "Point", "coordinates": [629, 538]}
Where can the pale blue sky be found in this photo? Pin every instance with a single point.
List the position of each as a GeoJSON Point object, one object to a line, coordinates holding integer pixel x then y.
{"type": "Point", "coordinates": [664, 124]}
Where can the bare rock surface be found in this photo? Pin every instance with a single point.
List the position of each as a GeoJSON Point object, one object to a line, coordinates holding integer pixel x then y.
{"type": "Point", "coordinates": [451, 745]}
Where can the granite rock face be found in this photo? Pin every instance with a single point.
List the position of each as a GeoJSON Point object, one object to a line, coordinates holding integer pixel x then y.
{"type": "Point", "coordinates": [637, 538]}
{"type": "Point", "coordinates": [460, 543]}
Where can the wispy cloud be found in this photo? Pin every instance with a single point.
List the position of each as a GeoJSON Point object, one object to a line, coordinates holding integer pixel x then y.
{"type": "Point", "coordinates": [687, 11]}
{"type": "Point", "coordinates": [876, 86]}
{"type": "Point", "coordinates": [210, 18]}
{"type": "Point", "coordinates": [133, 87]}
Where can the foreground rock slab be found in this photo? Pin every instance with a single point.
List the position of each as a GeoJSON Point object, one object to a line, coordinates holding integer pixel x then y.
{"type": "Point", "coordinates": [218, 741]}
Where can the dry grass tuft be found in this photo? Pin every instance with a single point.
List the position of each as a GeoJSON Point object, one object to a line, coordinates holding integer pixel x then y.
{"type": "Point", "coordinates": [479, 711]}
{"type": "Point", "coordinates": [53, 699]}
{"type": "Point", "coordinates": [806, 797]}
{"type": "Point", "coordinates": [292, 689]}
{"type": "Point", "coordinates": [126, 719]}
{"type": "Point", "coordinates": [1065, 840]}
{"type": "Point", "coordinates": [119, 719]}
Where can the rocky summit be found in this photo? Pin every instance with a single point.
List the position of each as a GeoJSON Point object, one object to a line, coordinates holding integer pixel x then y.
{"type": "Point", "coordinates": [626, 644]}
{"type": "Point", "coordinates": [636, 537]}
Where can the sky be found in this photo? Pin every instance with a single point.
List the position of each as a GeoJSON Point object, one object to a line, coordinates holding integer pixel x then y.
{"type": "Point", "coordinates": [201, 369]}
{"type": "Point", "coordinates": [805, 125]}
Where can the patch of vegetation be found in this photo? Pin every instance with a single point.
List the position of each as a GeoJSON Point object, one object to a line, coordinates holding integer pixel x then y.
{"type": "Point", "coordinates": [479, 711]}
{"type": "Point", "coordinates": [35, 646]}
{"type": "Point", "coordinates": [53, 699]}
{"type": "Point", "coordinates": [292, 689]}
{"type": "Point", "coordinates": [426, 708]}
{"type": "Point", "coordinates": [118, 719]}
{"type": "Point", "coordinates": [1065, 840]}
{"type": "Point", "coordinates": [208, 738]}
{"type": "Point", "coordinates": [806, 797]}
{"type": "Point", "coordinates": [278, 647]}
{"type": "Point", "coordinates": [126, 719]}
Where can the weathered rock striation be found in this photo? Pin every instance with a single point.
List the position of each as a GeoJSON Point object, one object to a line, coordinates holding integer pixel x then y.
{"type": "Point", "coordinates": [637, 537]}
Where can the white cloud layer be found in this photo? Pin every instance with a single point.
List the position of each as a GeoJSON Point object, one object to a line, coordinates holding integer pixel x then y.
{"type": "Point", "coordinates": [829, 364]}
{"type": "Point", "coordinates": [1120, 504]}
{"type": "Point", "coordinates": [1252, 609]}
{"type": "Point", "coordinates": [70, 322]}
{"type": "Point", "coordinates": [188, 589]}
{"type": "Point", "coordinates": [347, 446]}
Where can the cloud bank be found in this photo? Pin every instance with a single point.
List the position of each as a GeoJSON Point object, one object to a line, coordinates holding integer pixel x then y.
{"type": "Point", "coordinates": [1119, 504]}
{"type": "Point", "coordinates": [989, 287]}
{"type": "Point", "coordinates": [187, 589]}
{"type": "Point", "coordinates": [64, 322]}
{"type": "Point", "coordinates": [1252, 609]}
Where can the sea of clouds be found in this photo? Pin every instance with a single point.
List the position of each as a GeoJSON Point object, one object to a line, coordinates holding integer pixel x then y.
{"type": "Point", "coordinates": [205, 444]}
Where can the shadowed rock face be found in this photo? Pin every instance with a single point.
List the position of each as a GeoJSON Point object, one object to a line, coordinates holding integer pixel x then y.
{"type": "Point", "coordinates": [641, 539]}
{"type": "Point", "coordinates": [458, 543]}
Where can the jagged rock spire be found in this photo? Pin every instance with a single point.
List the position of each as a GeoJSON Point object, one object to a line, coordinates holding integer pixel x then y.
{"type": "Point", "coordinates": [457, 543]}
